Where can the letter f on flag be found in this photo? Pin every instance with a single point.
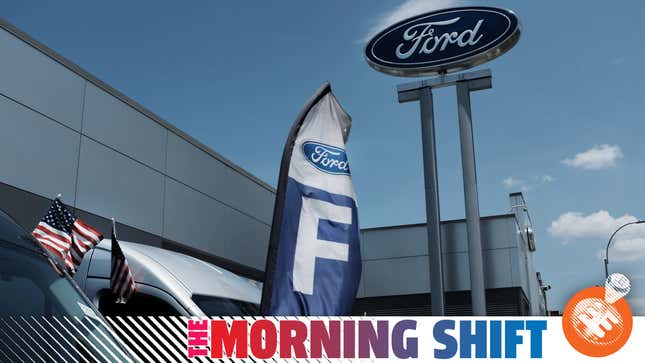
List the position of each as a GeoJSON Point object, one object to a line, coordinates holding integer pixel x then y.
{"type": "Point", "coordinates": [308, 246]}
{"type": "Point", "coordinates": [314, 262]}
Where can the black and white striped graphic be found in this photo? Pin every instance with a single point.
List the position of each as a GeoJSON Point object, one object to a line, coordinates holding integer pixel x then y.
{"type": "Point", "coordinates": [116, 339]}
{"type": "Point", "coordinates": [73, 339]}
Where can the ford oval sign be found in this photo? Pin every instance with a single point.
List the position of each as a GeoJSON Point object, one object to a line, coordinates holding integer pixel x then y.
{"type": "Point", "coordinates": [326, 158]}
{"type": "Point", "coordinates": [443, 41]}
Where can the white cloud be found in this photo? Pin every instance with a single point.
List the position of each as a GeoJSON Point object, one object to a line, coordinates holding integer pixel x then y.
{"type": "Point", "coordinates": [598, 157]}
{"type": "Point", "coordinates": [574, 225]}
{"type": "Point", "coordinates": [524, 185]}
{"type": "Point", "coordinates": [408, 9]}
{"type": "Point", "coordinates": [628, 249]}
{"type": "Point", "coordinates": [512, 182]}
{"type": "Point", "coordinates": [628, 245]}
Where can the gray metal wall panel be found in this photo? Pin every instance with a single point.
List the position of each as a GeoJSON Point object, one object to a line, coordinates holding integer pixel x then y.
{"type": "Point", "coordinates": [394, 242]}
{"type": "Point", "coordinates": [499, 233]}
{"type": "Point", "coordinates": [113, 185]}
{"type": "Point", "coordinates": [204, 223]}
{"type": "Point", "coordinates": [523, 268]}
{"type": "Point", "coordinates": [411, 273]}
{"type": "Point", "coordinates": [127, 182]}
{"type": "Point", "coordinates": [210, 176]}
{"type": "Point", "coordinates": [39, 82]}
{"type": "Point", "coordinates": [397, 276]}
{"type": "Point", "coordinates": [456, 275]}
{"type": "Point", "coordinates": [384, 248]}
{"type": "Point", "coordinates": [496, 233]}
{"type": "Point", "coordinates": [36, 153]}
{"type": "Point", "coordinates": [454, 237]}
{"type": "Point", "coordinates": [412, 241]}
{"type": "Point", "coordinates": [497, 268]}
{"type": "Point", "coordinates": [252, 198]}
{"type": "Point", "coordinates": [515, 268]}
{"type": "Point", "coordinates": [121, 127]}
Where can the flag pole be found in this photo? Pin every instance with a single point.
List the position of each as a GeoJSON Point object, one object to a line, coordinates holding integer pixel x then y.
{"type": "Point", "coordinates": [119, 299]}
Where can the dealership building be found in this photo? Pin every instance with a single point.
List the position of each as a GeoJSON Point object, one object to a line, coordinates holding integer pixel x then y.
{"type": "Point", "coordinates": [64, 131]}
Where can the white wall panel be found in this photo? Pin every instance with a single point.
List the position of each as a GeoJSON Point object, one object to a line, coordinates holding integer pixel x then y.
{"type": "Point", "coordinates": [193, 219]}
{"type": "Point", "coordinates": [34, 79]}
{"type": "Point", "coordinates": [36, 153]}
{"type": "Point", "coordinates": [121, 127]}
{"type": "Point", "coordinates": [201, 171]}
{"type": "Point", "coordinates": [112, 185]}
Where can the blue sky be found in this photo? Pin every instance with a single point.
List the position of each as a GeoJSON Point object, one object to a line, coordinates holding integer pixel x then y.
{"type": "Point", "coordinates": [563, 122]}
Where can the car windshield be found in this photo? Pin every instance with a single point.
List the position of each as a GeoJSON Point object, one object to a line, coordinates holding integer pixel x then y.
{"type": "Point", "coordinates": [31, 287]}
{"type": "Point", "coordinates": [219, 306]}
{"type": "Point", "coordinates": [42, 306]}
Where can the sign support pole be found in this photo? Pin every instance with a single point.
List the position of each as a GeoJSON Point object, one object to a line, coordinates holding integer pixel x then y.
{"type": "Point", "coordinates": [422, 91]}
{"type": "Point", "coordinates": [432, 201]}
{"type": "Point", "coordinates": [475, 256]}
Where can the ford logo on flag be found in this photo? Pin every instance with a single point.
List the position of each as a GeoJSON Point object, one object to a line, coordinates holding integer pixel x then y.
{"type": "Point", "coordinates": [327, 158]}
{"type": "Point", "coordinates": [443, 41]}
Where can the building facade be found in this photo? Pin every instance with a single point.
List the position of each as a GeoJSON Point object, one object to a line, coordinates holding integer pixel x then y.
{"type": "Point", "coordinates": [396, 272]}
{"type": "Point", "coordinates": [66, 132]}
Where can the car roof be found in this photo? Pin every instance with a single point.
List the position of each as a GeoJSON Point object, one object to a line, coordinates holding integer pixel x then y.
{"type": "Point", "coordinates": [167, 269]}
{"type": "Point", "coordinates": [11, 232]}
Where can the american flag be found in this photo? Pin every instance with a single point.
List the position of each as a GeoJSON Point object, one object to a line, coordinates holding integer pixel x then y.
{"type": "Point", "coordinates": [66, 236]}
{"type": "Point", "coordinates": [121, 280]}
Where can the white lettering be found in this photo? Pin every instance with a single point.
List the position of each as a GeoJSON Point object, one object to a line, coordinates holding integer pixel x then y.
{"type": "Point", "coordinates": [421, 38]}
{"type": "Point", "coordinates": [325, 157]}
{"type": "Point", "coordinates": [309, 247]}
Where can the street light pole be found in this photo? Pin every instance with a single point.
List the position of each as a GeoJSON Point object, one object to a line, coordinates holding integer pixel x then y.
{"type": "Point", "coordinates": [609, 243]}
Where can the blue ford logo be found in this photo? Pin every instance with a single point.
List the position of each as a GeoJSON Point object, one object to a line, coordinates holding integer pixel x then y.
{"type": "Point", "coordinates": [327, 158]}
{"type": "Point", "coordinates": [443, 41]}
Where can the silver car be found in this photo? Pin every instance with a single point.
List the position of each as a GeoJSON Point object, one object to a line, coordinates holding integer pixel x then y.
{"type": "Point", "coordinates": [168, 284]}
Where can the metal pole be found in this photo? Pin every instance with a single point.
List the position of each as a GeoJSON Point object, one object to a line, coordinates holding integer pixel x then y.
{"type": "Point", "coordinates": [432, 201]}
{"type": "Point", "coordinates": [609, 243]}
{"type": "Point", "coordinates": [422, 91]}
{"type": "Point", "coordinates": [606, 268]}
{"type": "Point", "coordinates": [475, 255]}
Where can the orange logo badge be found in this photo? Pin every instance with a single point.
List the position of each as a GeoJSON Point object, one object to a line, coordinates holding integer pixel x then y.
{"type": "Point", "coordinates": [597, 321]}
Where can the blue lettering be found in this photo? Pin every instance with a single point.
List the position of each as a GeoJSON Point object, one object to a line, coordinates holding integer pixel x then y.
{"type": "Point", "coordinates": [489, 338]}
{"type": "Point", "coordinates": [495, 339]}
{"type": "Point", "coordinates": [440, 335]}
{"type": "Point", "coordinates": [467, 339]}
{"type": "Point", "coordinates": [536, 327]}
{"type": "Point", "coordinates": [512, 339]}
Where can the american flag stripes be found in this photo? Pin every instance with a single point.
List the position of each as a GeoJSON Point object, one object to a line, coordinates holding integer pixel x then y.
{"type": "Point", "coordinates": [121, 280]}
{"type": "Point", "coordinates": [66, 236]}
